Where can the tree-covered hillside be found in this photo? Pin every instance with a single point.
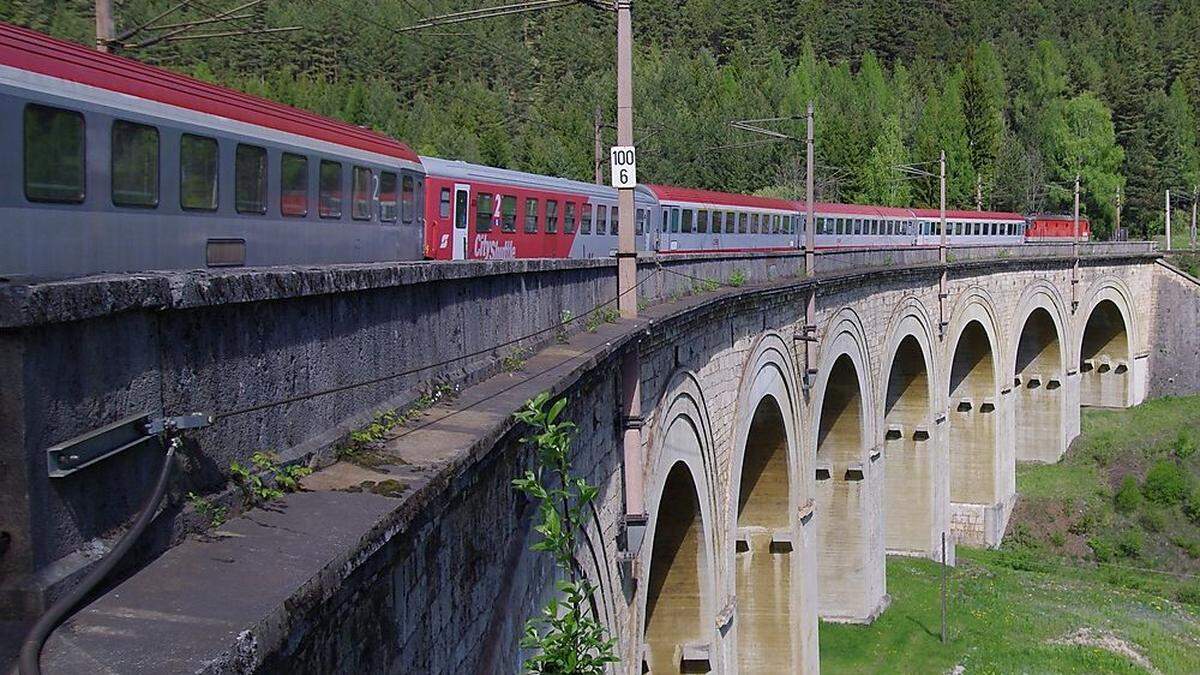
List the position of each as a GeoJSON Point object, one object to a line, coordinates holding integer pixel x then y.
{"type": "Point", "coordinates": [1021, 95]}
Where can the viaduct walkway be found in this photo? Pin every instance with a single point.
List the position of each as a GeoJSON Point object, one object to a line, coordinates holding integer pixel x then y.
{"type": "Point", "coordinates": [776, 477]}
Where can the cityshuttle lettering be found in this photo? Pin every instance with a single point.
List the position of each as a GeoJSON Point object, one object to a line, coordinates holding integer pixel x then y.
{"type": "Point", "coordinates": [489, 249]}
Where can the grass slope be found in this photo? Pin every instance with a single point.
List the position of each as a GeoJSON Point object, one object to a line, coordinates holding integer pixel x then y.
{"type": "Point", "coordinates": [1007, 620]}
{"type": "Point", "coordinates": [1107, 540]}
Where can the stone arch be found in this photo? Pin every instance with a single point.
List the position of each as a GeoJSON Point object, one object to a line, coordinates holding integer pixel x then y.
{"type": "Point", "coordinates": [848, 478]}
{"type": "Point", "coordinates": [1106, 345]}
{"type": "Point", "coordinates": [1041, 424]}
{"type": "Point", "coordinates": [982, 468]}
{"type": "Point", "coordinates": [679, 602]}
{"type": "Point", "coordinates": [916, 482]}
{"type": "Point", "coordinates": [766, 553]}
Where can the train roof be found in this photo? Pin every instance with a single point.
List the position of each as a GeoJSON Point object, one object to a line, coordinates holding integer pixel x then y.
{"type": "Point", "coordinates": [698, 196]}
{"type": "Point", "coordinates": [35, 52]}
{"type": "Point", "coordinates": [458, 169]}
{"type": "Point", "coordinates": [969, 215]}
{"type": "Point", "coordinates": [840, 209]}
{"type": "Point", "coordinates": [1057, 216]}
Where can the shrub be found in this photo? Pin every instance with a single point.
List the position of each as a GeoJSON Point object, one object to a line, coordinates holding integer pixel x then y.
{"type": "Point", "coordinates": [1189, 594]}
{"type": "Point", "coordinates": [1189, 546]}
{"type": "Point", "coordinates": [1103, 550]}
{"type": "Point", "coordinates": [1191, 506]}
{"type": "Point", "coordinates": [1166, 483]}
{"type": "Point", "coordinates": [1185, 444]}
{"type": "Point", "coordinates": [1130, 544]}
{"type": "Point", "coordinates": [1058, 538]}
{"type": "Point", "coordinates": [1153, 520]}
{"type": "Point", "coordinates": [1129, 497]}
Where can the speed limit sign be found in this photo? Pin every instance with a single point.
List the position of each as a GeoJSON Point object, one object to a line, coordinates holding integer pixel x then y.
{"type": "Point", "coordinates": [623, 162]}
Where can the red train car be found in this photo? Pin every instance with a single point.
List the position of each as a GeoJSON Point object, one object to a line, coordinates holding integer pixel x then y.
{"type": "Point", "coordinates": [1050, 227]}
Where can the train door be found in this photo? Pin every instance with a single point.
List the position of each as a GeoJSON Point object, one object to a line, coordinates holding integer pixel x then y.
{"type": "Point", "coordinates": [462, 207]}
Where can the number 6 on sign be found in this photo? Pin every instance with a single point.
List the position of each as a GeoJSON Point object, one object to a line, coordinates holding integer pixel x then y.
{"type": "Point", "coordinates": [623, 162]}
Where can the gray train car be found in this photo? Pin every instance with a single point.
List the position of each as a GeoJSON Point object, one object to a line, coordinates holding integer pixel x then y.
{"type": "Point", "coordinates": [124, 167]}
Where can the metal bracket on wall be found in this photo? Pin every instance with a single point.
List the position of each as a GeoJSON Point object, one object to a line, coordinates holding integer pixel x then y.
{"type": "Point", "coordinates": [82, 451]}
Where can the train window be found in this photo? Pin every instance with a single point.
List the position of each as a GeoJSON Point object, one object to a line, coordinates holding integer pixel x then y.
{"type": "Point", "coordinates": [198, 172]}
{"type": "Point", "coordinates": [674, 220]}
{"type": "Point", "coordinates": [444, 203]}
{"type": "Point", "coordinates": [134, 164]}
{"type": "Point", "coordinates": [508, 213]}
{"type": "Point", "coordinates": [387, 197]}
{"type": "Point", "coordinates": [329, 198]}
{"type": "Point", "coordinates": [293, 185]}
{"type": "Point", "coordinates": [531, 216]}
{"type": "Point", "coordinates": [601, 219]}
{"type": "Point", "coordinates": [685, 223]}
{"type": "Point", "coordinates": [54, 154]}
{"type": "Point", "coordinates": [614, 219]}
{"type": "Point", "coordinates": [408, 198]}
{"type": "Point", "coordinates": [551, 216]}
{"type": "Point", "coordinates": [250, 179]}
{"type": "Point", "coordinates": [568, 217]}
{"type": "Point", "coordinates": [702, 221]}
{"type": "Point", "coordinates": [666, 219]}
{"type": "Point", "coordinates": [641, 221]}
{"type": "Point", "coordinates": [775, 226]}
{"type": "Point", "coordinates": [743, 223]}
{"type": "Point", "coordinates": [753, 223]}
{"type": "Point", "coordinates": [585, 219]}
{"type": "Point", "coordinates": [360, 194]}
{"type": "Point", "coordinates": [483, 212]}
{"type": "Point", "coordinates": [730, 222]}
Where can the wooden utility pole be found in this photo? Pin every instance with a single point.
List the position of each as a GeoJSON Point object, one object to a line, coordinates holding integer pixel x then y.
{"type": "Point", "coordinates": [104, 25]}
{"type": "Point", "coordinates": [598, 142]}
{"type": "Point", "coordinates": [978, 192]}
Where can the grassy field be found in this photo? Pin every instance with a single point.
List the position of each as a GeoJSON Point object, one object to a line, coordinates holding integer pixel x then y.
{"type": "Point", "coordinates": [1106, 542]}
{"type": "Point", "coordinates": [1008, 620]}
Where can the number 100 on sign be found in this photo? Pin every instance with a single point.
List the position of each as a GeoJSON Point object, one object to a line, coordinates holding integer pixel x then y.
{"type": "Point", "coordinates": [624, 166]}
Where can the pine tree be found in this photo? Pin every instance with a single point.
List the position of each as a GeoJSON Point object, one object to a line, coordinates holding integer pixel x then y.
{"type": "Point", "coordinates": [983, 97]}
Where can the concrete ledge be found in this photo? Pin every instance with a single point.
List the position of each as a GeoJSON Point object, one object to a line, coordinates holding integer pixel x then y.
{"type": "Point", "coordinates": [884, 603]}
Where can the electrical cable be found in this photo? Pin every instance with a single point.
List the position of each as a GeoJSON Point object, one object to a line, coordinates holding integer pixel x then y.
{"type": "Point", "coordinates": [31, 648]}
{"type": "Point", "coordinates": [445, 362]}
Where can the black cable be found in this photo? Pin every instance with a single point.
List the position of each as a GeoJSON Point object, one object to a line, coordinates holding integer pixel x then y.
{"type": "Point", "coordinates": [31, 649]}
{"type": "Point", "coordinates": [445, 362]}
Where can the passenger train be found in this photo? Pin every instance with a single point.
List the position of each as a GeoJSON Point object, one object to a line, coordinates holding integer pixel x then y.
{"type": "Point", "coordinates": [126, 167]}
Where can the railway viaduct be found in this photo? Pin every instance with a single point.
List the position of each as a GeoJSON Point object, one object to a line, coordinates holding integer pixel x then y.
{"type": "Point", "coordinates": [776, 477]}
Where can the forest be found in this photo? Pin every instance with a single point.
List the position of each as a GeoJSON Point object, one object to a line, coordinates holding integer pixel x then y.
{"type": "Point", "coordinates": [1022, 96]}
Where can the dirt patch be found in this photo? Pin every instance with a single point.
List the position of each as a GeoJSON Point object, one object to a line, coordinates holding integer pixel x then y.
{"type": "Point", "coordinates": [1101, 639]}
{"type": "Point", "coordinates": [1055, 522]}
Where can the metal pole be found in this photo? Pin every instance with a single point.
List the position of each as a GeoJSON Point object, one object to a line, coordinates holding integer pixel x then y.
{"type": "Point", "coordinates": [1168, 221]}
{"type": "Point", "coordinates": [1118, 227]}
{"type": "Point", "coordinates": [978, 192]}
{"type": "Point", "coordinates": [1075, 221]}
{"type": "Point", "coordinates": [942, 205]}
{"type": "Point", "coordinates": [631, 404]}
{"type": "Point", "coordinates": [599, 147]}
{"type": "Point", "coordinates": [810, 235]}
{"type": "Point", "coordinates": [943, 588]}
{"type": "Point", "coordinates": [104, 25]}
{"type": "Point", "coordinates": [1195, 194]}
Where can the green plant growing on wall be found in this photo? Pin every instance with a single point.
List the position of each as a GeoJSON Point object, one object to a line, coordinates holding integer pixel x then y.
{"type": "Point", "coordinates": [215, 514]}
{"type": "Point", "coordinates": [566, 637]}
{"type": "Point", "coordinates": [738, 278]}
{"type": "Point", "coordinates": [257, 490]}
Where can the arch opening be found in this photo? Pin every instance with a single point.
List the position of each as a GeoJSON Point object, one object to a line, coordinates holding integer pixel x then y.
{"type": "Point", "coordinates": [1038, 383]}
{"type": "Point", "coordinates": [842, 497]}
{"type": "Point", "coordinates": [972, 419]}
{"type": "Point", "coordinates": [763, 547]}
{"type": "Point", "coordinates": [674, 605]}
{"type": "Point", "coordinates": [1104, 358]}
{"type": "Point", "coordinates": [909, 480]}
